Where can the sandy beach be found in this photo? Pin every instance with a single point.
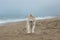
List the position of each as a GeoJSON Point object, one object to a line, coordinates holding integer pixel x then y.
{"type": "Point", "coordinates": [47, 29]}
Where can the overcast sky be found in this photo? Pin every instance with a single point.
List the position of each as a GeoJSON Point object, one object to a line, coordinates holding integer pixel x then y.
{"type": "Point", "coordinates": [24, 7]}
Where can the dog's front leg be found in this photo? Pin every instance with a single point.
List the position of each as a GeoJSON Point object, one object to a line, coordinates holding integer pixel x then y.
{"type": "Point", "coordinates": [33, 28]}
{"type": "Point", "coordinates": [28, 27]}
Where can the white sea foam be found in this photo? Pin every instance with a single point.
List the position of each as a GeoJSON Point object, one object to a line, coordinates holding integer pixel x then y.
{"type": "Point", "coordinates": [16, 20]}
{"type": "Point", "coordinates": [48, 17]}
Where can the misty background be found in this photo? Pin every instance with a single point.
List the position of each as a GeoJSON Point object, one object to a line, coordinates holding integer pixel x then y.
{"type": "Point", "coordinates": [21, 8]}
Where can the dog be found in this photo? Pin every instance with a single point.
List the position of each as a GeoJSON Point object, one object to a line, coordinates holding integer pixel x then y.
{"type": "Point", "coordinates": [30, 28]}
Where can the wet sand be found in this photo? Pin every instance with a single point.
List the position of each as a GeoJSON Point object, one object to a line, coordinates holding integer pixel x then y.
{"type": "Point", "coordinates": [48, 29]}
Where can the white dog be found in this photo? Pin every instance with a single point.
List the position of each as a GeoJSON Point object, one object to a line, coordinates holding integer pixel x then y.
{"type": "Point", "coordinates": [30, 24]}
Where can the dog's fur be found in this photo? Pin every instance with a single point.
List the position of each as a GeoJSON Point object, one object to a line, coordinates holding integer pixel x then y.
{"type": "Point", "coordinates": [30, 24]}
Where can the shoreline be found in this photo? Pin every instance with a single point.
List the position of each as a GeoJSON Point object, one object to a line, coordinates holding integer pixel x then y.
{"type": "Point", "coordinates": [18, 20]}
{"type": "Point", "coordinates": [24, 20]}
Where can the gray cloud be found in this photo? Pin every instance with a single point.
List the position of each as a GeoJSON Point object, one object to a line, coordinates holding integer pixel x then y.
{"type": "Point", "coordinates": [36, 7]}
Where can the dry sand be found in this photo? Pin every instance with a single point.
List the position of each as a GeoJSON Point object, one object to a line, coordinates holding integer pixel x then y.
{"type": "Point", "coordinates": [48, 29]}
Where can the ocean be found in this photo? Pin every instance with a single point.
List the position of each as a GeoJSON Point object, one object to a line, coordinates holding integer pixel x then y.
{"type": "Point", "coordinates": [7, 20]}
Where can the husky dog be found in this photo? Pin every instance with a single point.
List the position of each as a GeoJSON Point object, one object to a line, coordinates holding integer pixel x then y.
{"type": "Point", "coordinates": [30, 24]}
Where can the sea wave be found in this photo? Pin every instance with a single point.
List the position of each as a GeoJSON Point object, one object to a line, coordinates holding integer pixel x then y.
{"type": "Point", "coordinates": [16, 20]}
